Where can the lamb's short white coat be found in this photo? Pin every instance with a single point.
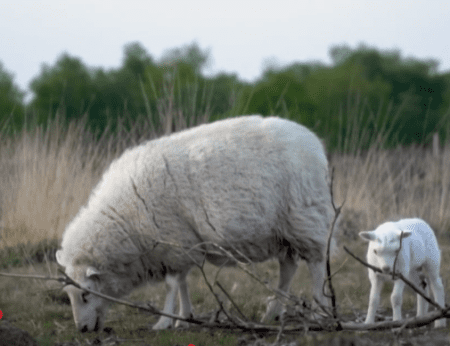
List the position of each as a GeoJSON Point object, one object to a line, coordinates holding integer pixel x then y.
{"type": "Point", "coordinates": [256, 187]}
{"type": "Point", "coordinates": [418, 260]}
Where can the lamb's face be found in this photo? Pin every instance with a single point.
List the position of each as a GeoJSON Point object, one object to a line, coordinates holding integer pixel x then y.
{"type": "Point", "coordinates": [382, 252]}
{"type": "Point", "coordinates": [88, 309]}
{"type": "Point", "coordinates": [384, 245]}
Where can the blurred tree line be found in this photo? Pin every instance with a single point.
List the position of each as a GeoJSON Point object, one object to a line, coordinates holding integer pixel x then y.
{"type": "Point", "coordinates": [366, 96]}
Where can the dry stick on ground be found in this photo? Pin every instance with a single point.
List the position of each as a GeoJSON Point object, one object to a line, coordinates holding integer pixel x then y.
{"type": "Point", "coordinates": [255, 327]}
{"type": "Point", "coordinates": [337, 211]}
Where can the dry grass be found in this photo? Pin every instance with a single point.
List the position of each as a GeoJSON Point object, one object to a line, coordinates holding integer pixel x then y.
{"type": "Point", "coordinates": [47, 175]}
{"type": "Point", "coordinates": [42, 178]}
{"type": "Point", "coordinates": [385, 185]}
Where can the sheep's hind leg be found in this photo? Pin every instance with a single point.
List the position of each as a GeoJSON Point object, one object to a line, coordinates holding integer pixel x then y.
{"type": "Point", "coordinates": [288, 266]}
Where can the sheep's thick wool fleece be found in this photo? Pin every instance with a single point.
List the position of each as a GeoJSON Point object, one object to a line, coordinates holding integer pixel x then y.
{"type": "Point", "coordinates": [252, 185]}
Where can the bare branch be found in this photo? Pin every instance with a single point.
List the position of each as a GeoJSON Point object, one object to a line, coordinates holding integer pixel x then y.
{"type": "Point", "coordinates": [40, 277]}
{"type": "Point", "coordinates": [337, 211]}
{"type": "Point", "coordinates": [396, 255]}
{"type": "Point", "coordinates": [214, 293]}
{"type": "Point", "coordinates": [232, 301]}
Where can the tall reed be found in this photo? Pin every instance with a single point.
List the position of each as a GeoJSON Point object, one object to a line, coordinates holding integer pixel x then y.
{"type": "Point", "coordinates": [48, 172]}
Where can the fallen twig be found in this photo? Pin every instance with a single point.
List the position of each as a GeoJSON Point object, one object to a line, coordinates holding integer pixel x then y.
{"type": "Point", "coordinates": [258, 327]}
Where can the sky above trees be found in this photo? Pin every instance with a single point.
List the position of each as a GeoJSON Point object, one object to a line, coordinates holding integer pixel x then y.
{"type": "Point", "coordinates": [243, 37]}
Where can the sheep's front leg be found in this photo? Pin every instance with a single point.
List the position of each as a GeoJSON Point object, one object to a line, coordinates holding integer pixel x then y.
{"type": "Point", "coordinates": [172, 284]}
{"type": "Point", "coordinates": [397, 299]}
{"type": "Point", "coordinates": [288, 266]}
{"type": "Point", "coordinates": [185, 301]}
{"type": "Point", "coordinates": [317, 272]}
{"type": "Point", "coordinates": [374, 298]}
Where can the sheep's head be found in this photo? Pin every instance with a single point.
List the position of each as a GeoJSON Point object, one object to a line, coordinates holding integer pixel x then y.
{"type": "Point", "coordinates": [384, 245]}
{"type": "Point", "coordinates": [88, 309]}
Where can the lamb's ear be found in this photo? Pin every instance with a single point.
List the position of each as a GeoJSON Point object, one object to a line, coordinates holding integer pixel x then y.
{"type": "Point", "coordinates": [59, 258]}
{"type": "Point", "coordinates": [367, 235]}
{"type": "Point", "coordinates": [92, 273]}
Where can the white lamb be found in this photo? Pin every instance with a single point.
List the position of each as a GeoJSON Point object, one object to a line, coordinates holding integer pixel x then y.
{"type": "Point", "coordinates": [256, 187]}
{"type": "Point", "coordinates": [418, 260]}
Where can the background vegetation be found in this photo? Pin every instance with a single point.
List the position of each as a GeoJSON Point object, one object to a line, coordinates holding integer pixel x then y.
{"type": "Point", "coordinates": [375, 110]}
{"type": "Point", "coordinates": [406, 99]}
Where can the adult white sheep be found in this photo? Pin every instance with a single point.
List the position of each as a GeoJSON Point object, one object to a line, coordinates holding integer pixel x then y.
{"type": "Point", "coordinates": [257, 187]}
{"type": "Point", "coordinates": [418, 260]}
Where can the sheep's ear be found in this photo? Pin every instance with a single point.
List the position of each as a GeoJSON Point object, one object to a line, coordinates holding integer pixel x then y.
{"type": "Point", "coordinates": [59, 257]}
{"type": "Point", "coordinates": [92, 273]}
{"type": "Point", "coordinates": [406, 233]}
{"type": "Point", "coordinates": [367, 235]}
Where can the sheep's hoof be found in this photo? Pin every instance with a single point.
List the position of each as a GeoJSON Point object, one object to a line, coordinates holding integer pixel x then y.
{"type": "Point", "coordinates": [163, 323]}
{"type": "Point", "coordinates": [182, 324]}
{"type": "Point", "coordinates": [273, 311]}
{"type": "Point", "coordinates": [442, 323]}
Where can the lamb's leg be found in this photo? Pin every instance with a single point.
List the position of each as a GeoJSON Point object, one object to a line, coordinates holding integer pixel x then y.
{"type": "Point", "coordinates": [185, 301]}
{"type": "Point", "coordinates": [374, 298]}
{"type": "Point", "coordinates": [397, 299]}
{"type": "Point", "coordinates": [172, 284]}
{"type": "Point", "coordinates": [418, 279]}
{"type": "Point", "coordinates": [288, 266]}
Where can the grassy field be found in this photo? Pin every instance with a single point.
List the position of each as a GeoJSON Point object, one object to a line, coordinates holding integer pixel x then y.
{"type": "Point", "coordinates": [47, 175]}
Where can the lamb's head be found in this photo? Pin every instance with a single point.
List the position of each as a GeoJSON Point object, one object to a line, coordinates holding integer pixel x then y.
{"type": "Point", "coordinates": [384, 244]}
{"type": "Point", "coordinates": [88, 309]}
